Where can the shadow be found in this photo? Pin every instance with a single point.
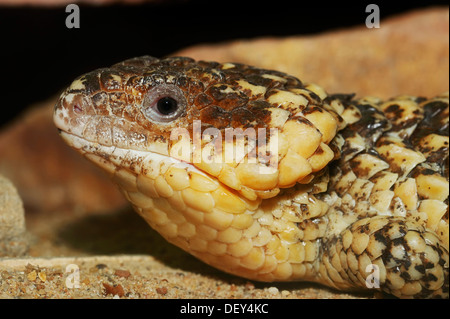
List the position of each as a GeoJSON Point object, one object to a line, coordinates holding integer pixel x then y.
{"type": "Point", "coordinates": [125, 232]}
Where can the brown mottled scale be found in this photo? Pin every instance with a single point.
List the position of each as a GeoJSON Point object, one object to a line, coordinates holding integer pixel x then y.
{"type": "Point", "coordinates": [397, 179]}
{"type": "Point", "coordinates": [269, 178]}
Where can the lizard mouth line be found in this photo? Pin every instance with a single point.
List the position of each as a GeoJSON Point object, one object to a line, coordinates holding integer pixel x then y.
{"type": "Point", "coordinates": [111, 158]}
{"type": "Point", "coordinates": [252, 146]}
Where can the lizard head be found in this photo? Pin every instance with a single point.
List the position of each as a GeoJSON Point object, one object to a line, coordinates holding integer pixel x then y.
{"type": "Point", "coordinates": [197, 146]}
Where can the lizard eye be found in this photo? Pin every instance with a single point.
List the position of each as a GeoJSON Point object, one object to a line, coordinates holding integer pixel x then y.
{"type": "Point", "coordinates": [164, 103]}
{"type": "Point", "coordinates": [167, 105]}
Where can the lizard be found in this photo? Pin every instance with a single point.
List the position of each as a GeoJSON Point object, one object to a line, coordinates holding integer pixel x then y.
{"type": "Point", "coordinates": [270, 178]}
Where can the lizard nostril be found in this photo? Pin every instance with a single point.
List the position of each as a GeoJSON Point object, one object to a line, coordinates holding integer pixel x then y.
{"type": "Point", "coordinates": [76, 104]}
{"type": "Point", "coordinates": [77, 108]}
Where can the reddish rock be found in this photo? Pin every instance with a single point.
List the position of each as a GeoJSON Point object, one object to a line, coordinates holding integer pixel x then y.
{"type": "Point", "coordinates": [408, 54]}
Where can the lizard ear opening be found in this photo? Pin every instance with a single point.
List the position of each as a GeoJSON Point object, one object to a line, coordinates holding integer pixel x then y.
{"type": "Point", "coordinates": [164, 103]}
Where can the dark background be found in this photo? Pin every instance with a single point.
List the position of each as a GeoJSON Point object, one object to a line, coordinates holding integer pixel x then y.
{"type": "Point", "coordinates": [39, 55]}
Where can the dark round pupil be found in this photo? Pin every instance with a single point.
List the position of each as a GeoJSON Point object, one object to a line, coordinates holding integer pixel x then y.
{"type": "Point", "coordinates": [166, 105]}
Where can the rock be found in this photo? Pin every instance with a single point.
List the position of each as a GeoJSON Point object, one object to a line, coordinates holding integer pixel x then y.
{"type": "Point", "coordinates": [13, 237]}
{"type": "Point", "coordinates": [408, 54]}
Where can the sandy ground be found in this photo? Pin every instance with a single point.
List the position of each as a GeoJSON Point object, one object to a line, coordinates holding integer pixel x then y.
{"type": "Point", "coordinates": [109, 261]}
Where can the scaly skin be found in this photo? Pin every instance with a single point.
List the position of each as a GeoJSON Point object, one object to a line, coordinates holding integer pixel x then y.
{"type": "Point", "coordinates": [328, 189]}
